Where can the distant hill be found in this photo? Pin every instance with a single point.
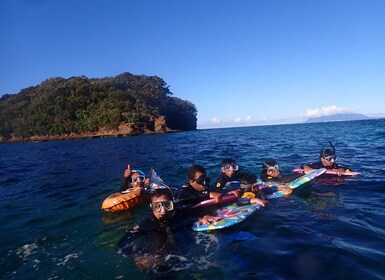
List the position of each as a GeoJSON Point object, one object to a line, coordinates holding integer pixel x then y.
{"type": "Point", "coordinates": [80, 107]}
{"type": "Point", "coordinates": [339, 117]}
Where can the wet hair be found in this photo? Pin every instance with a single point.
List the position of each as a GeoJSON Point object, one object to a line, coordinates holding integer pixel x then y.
{"type": "Point", "coordinates": [328, 152]}
{"type": "Point", "coordinates": [247, 182]}
{"type": "Point", "coordinates": [194, 169]}
{"type": "Point", "coordinates": [228, 161]}
{"type": "Point", "coordinates": [268, 162]}
{"type": "Point", "coordinates": [138, 171]}
{"type": "Point", "coordinates": [160, 192]}
{"type": "Point", "coordinates": [265, 166]}
{"type": "Point", "coordinates": [248, 179]}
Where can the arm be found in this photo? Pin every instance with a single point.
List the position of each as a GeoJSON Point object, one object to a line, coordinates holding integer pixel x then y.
{"type": "Point", "coordinates": [126, 179]}
{"type": "Point", "coordinates": [285, 190]}
{"type": "Point", "coordinates": [258, 201]}
{"type": "Point", "coordinates": [207, 219]}
{"type": "Point", "coordinates": [217, 196]}
{"type": "Point", "coordinates": [340, 169]}
{"type": "Point", "coordinates": [219, 183]}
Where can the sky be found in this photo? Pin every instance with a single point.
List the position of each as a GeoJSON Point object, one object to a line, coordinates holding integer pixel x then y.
{"type": "Point", "coordinates": [250, 62]}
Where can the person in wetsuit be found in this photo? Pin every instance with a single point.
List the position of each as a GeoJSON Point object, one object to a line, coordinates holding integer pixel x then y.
{"type": "Point", "coordinates": [152, 239]}
{"type": "Point", "coordinates": [229, 173]}
{"type": "Point", "coordinates": [133, 179]}
{"type": "Point", "coordinates": [161, 241]}
{"type": "Point", "coordinates": [271, 173]}
{"type": "Point", "coordinates": [196, 189]}
{"type": "Point", "coordinates": [250, 192]}
{"type": "Point", "coordinates": [327, 159]}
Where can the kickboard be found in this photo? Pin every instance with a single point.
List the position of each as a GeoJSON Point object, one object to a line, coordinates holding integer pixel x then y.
{"type": "Point", "coordinates": [229, 215]}
{"type": "Point", "coordinates": [331, 172]}
{"type": "Point", "coordinates": [211, 202]}
{"type": "Point", "coordinates": [296, 183]}
{"type": "Point", "coordinates": [306, 178]}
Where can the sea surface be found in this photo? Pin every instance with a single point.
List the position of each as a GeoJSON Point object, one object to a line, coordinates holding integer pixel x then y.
{"type": "Point", "coordinates": [52, 227]}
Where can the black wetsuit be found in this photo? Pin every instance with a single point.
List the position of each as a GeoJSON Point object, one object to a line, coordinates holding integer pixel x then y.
{"type": "Point", "coordinates": [223, 179]}
{"type": "Point", "coordinates": [159, 246]}
{"type": "Point", "coordinates": [124, 184]}
{"type": "Point", "coordinates": [188, 196]}
{"type": "Point", "coordinates": [318, 165]}
{"type": "Point", "coordinates": [281, 179]}
{"type": "Point", "coordinates": [153, 241]}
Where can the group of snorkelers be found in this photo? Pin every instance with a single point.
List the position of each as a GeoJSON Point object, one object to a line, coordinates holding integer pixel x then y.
{"type": "Point", "coordinates": [172, 202]}
{"type": "Point", "coordinates": [173, 207]}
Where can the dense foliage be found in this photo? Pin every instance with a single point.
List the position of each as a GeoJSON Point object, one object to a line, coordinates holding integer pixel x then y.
{"type": "Point", "coordinates": [79, 105]}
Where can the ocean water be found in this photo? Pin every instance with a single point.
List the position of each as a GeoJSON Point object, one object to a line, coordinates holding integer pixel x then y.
{"type": "Point", "coordinates": [52, 226]}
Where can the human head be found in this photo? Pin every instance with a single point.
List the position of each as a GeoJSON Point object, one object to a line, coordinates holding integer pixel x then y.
{"type": "Point", "coordinates": [198, 177]}
{"type": "Point", "coordinates": [248, 182]}
{"type": "Point", "coordinates": [229, 167]}
{"type": "Point", "coordinates": [328, 157]}
{"type": "Point", "coordinates": [162, 204]}
{"type": "Point", "coordinates": [270, 167]}
{"type": "Point", "coordinates": [137, 178]}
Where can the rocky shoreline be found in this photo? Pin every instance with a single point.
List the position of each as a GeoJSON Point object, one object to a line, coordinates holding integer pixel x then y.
{"type": "Point", "coordinates": [74, 136]}
{"type": "Point", "coordinates": [124, 130]}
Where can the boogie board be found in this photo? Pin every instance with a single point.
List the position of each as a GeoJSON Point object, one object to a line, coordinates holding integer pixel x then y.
{"type": "Point", "coordinates": [229, 215]}
{"type": "Point", "coordinates": [295, 183]}
{"type": "Point", "coordinates": [331, 172]}
{"type": "Point", "coordinates": [211, 202]}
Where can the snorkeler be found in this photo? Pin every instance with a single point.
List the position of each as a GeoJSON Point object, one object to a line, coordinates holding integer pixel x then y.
{"type": "Point", "coordinates": [152, 239]}
{"type": "Point", "coordinates": [133, 179]}
{"type": "Point", "coordinates": [229, 172]}
{"type": "Point", "coordinates": [196, 189]}
{"type": "Point", "coordinates": [253, 191]}
{"type": "Point", "coordinates": [250, 192]}
{"type": "Point", "coordinates": [327, 159]}
{"type": "Point", "coordinates": [272, 173]}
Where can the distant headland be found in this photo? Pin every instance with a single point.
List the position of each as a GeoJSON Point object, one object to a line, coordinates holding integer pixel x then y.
{"type": "Point", "coordinates": [339, 117]}
{"type": "Point", "coordinates": [79, 107]}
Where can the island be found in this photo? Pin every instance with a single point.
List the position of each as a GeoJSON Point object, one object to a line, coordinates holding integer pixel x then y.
{"type": "Point", "coordinates": [81, 107]}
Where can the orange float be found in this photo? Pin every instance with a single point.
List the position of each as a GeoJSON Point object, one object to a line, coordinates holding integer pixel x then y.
{"type": "Point", "coordinates": [120, 201]}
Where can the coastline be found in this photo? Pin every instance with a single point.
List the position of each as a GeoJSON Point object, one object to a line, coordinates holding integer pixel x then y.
{"type": "Point", "coordinates": [74, 136]}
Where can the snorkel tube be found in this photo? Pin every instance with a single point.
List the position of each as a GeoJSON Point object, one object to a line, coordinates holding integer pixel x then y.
{"type": "Point", "coordinates": [334, 149]}
{"type": "Point", "coordinates": [327, 151]}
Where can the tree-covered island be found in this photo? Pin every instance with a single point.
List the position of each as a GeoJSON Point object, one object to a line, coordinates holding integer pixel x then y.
{"type": "Point", "coordinates": [80, 107]}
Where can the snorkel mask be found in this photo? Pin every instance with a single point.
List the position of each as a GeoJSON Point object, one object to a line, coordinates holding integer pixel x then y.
{"type": "Point", "coordinates": [231, 166]}
{"type": "Point", "coordinates": [270, 164]}
{"type": "Point", "coordinates": [329, 154]}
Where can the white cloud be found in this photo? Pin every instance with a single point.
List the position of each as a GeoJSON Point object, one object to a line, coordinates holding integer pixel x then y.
{"type": "Point", "coordinates": [215, 120]}
{"type": "Point", "coordinates": [326, 111]}
{"type": "Point", "coordinates": [238, 121]}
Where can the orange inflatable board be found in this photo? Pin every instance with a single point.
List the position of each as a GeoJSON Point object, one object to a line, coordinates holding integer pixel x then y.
{"type": "Point", "coordinates": [123, 201]}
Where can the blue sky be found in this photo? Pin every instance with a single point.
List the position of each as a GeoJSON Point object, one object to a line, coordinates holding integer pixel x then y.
{"type": "Point", "coordinates": [240, 62]}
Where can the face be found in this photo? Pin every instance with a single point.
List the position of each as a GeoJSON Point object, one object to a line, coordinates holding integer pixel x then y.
{"type": "Point", "coordinates": [230, 169]}
{"type": "Point", "coordinates": [162, 207]}
{"type": "Point", "coordinates": [200, 181]}
{"type": "Point", "coordinates": [137, 180]}
{"type": "Point", "coordinates": [328, 160]}
{"type": "Point", "coordinates": [272, 172]}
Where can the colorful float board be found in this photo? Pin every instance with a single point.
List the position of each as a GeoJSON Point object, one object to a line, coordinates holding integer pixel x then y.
{"type": "Point", "coordinates": [228, 216]}
{"type": "Point", "coordinates": [331, 172]}
{"type": "Point", "coordinates": [210, 202]}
